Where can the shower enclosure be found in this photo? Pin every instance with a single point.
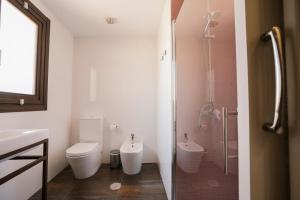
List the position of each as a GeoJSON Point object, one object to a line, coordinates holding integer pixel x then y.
{"type": "Point", "coordinates": [206, 164]}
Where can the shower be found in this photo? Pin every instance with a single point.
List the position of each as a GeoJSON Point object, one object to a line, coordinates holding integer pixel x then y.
{"type": "Point", "coordinates": [209, 109]}
{"type": "Point", "coordinates": [205, 155]}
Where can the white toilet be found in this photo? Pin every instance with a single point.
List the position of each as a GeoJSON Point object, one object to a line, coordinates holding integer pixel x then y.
{"type": "Point", "coordinates": [85, 156]}
{"type": "Point", "coordinates": [189, 156]}
{"type": "Point", "coordinates": [132, 155]}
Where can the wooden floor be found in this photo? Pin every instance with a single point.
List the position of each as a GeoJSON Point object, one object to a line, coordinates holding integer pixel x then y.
{"type": "Point", "coordinates": [210, 183]}
{"type": "Point", "coordinates": [145, 186]}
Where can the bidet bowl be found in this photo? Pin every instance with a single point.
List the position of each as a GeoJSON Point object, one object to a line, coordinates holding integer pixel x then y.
{"type": "Point", "coordinates": [189, 156]}
{"type": "Point", "coordinates": [131, 157]}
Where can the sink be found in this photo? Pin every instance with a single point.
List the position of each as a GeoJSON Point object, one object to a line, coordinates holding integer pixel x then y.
{"type": "Point", "coordinates": [11, 140]}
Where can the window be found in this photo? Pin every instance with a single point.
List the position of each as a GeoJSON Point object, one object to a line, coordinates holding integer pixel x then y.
{"type": "Point", "coordinates": [24, 50]}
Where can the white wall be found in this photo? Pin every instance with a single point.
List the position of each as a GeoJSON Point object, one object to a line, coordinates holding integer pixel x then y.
{"type": "Point", "coordinates": [164, 99]}
{"type": "Point", "coordinates": [126, 71]}
{"type": "Point", "coordinates": [57, 118]}
{"type": "Point", "coordinates": [191, 83]}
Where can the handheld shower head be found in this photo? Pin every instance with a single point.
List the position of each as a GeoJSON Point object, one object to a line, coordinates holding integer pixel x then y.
{"type": "Point", "coordinates": [214, 15]}
{"type": "Point", "coordinates": [211, 22]}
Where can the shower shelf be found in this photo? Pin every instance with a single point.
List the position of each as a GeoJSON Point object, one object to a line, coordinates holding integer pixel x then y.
{"type": "Point", "coordinates": [232, 156]}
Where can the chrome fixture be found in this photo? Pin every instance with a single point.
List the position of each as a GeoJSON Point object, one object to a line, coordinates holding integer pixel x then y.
{"type": "Point", "coordinates": [275, 36]}
{"type": "Point", "coordinates": [211, 23]}
{"type": "Point", "coordinates": [209, 109]}
{"type": "Point", "coordinates": [225, 114]}
{"type": "Point", "coordinates": [132, 137]}
{"type": "Point", "coordinates": [186, 138]}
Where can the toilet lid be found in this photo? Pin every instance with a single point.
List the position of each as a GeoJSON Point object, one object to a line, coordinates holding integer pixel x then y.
{"type": "Point", "coordinates": [81, 149]}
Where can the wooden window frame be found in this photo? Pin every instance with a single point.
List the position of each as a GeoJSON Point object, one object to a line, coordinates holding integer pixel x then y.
{"type": "Point", "coordinates": [13, 102]}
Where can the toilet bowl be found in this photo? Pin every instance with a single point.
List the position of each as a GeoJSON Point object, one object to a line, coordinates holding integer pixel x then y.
{"type": "Point", "coordinates": [131, 157]}
{"type": "Point", "coordinates": [85, 157]}
{"type": "Point", "coordinates": [189, 155]}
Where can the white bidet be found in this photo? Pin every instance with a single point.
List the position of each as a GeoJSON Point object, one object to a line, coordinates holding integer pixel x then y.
{"type": "Point", "coordinates": [189, 155]}
{"type": "Point", "coordinates": [131, 157]}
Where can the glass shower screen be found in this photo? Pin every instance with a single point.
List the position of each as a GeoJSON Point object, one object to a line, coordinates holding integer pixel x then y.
{"type": "Point", "coordinates": [206, 164]}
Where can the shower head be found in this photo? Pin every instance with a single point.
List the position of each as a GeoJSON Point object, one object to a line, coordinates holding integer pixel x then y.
{"type": "Point", "coordinates": [213, 15]}
{"type": "Point", "coordinates": [211, 22]}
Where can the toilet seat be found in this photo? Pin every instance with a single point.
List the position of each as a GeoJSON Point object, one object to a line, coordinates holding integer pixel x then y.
{"type": "Point", "coordinates": [82, 149]}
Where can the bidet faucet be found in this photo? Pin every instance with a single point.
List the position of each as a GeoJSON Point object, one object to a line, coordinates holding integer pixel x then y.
{"type": "Point", "coordinates": [186, 138]}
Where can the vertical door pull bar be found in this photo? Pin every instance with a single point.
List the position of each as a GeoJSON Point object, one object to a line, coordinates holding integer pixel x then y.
{"type": "Point", "coordinates": [276, 38]}
{"type": "Point", "coordinates": [225, 114]}
{"type": "Point", "coordinates": [225, 138]}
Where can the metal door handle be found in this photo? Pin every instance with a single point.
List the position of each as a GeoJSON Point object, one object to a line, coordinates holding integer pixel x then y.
{"type": "Point", "coordinates": [276, 38]}
{"type": "Point", "coordinates": [225, 138]}
{"type": "Point", "coordinates": [225, 115]}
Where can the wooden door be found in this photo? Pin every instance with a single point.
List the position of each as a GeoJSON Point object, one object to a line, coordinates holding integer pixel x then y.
{"type": "Point", "coordinates": [292, 33]}
{"type": "Point", "coordinates": [268, 151]}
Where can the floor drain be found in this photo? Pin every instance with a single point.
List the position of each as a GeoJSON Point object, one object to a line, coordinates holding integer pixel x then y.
{"type": "Point", "coordinates": [115, 186]}
{"type": "Point", "coordinates": [213, 183]}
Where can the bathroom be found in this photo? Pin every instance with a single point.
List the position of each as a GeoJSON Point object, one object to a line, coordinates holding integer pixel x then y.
{"type": "Point", "coordinates": [139, 99]}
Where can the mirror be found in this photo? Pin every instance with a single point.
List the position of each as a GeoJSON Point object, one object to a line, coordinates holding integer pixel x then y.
{"type": "Point", "coordinates": [24, 50]}
{"type": "Point", "coordinates": [18, 48]}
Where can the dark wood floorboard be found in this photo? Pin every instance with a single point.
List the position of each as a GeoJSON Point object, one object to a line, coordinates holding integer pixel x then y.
{"type": "Point", "coordinates": [209, 183]}
{"type": "Point", "coordinates": [145, 186]}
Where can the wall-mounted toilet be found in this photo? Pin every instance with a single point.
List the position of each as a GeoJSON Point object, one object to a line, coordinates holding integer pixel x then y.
{"type": "Point", "coordinates": [85, 156]}
{"type": "Point", "coordinates": [132, 155]}
{"type": "Point", "coordinates": [189, 156]}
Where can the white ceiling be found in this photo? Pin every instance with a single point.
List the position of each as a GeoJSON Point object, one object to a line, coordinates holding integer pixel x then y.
{"type": "Point", "coordinates": [87, 17]}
